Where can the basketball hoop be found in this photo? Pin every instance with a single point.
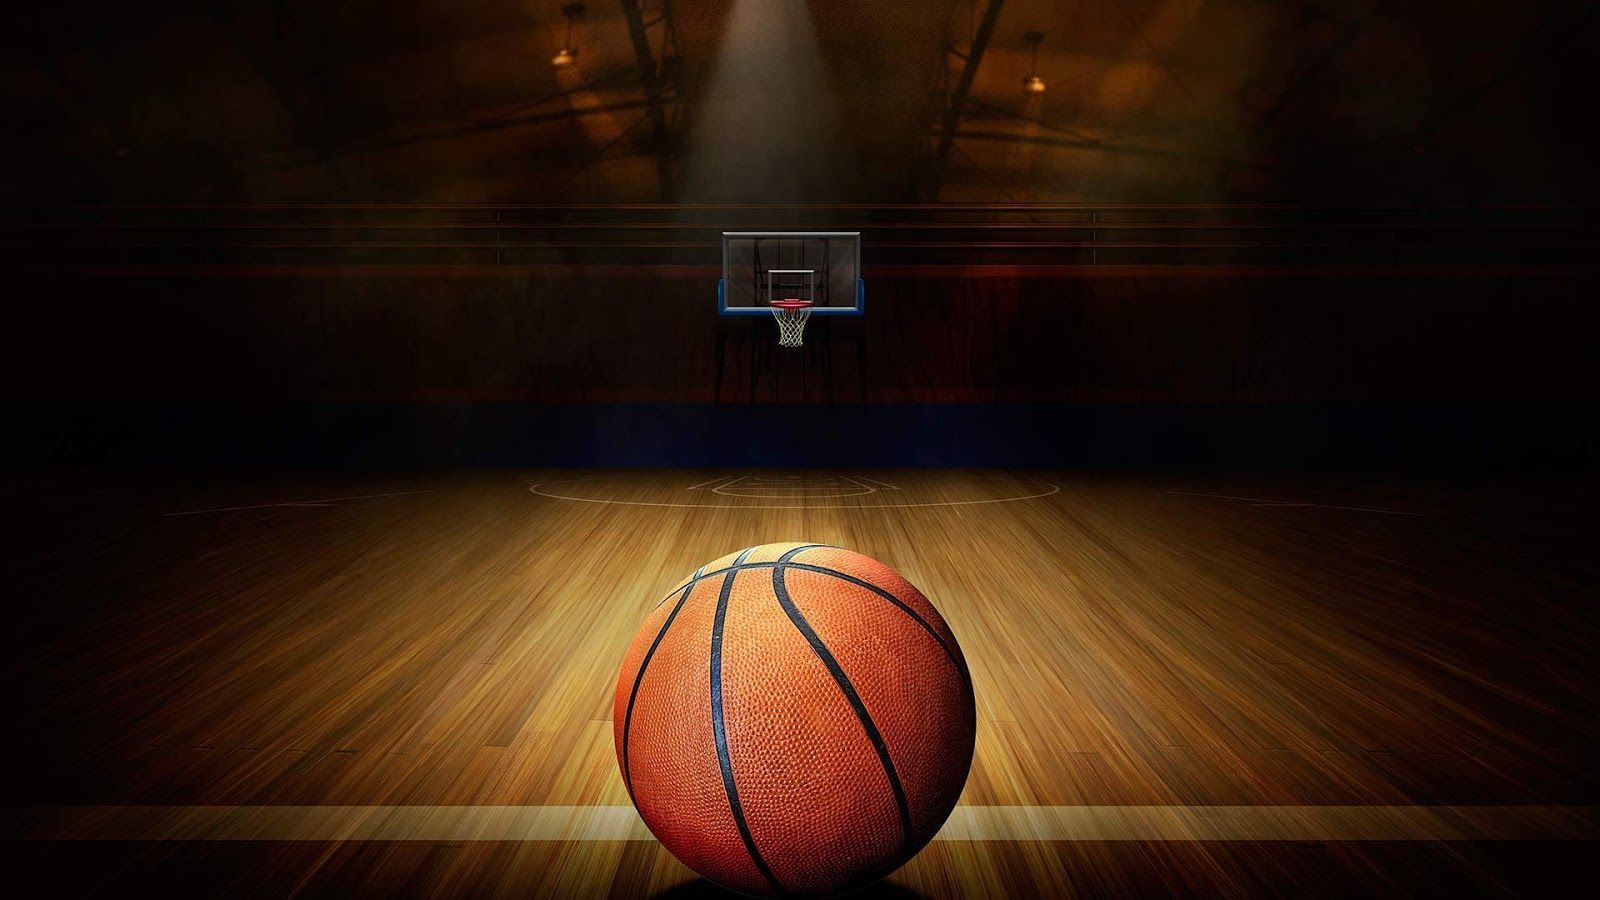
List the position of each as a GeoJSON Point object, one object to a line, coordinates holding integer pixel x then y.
{"type": "Point", "coordinates": [792, 316]}
{"type": "Point", "coordinates": [791, 312]}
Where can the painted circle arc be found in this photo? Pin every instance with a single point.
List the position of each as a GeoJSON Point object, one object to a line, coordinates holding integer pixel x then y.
{"type": "Point", "coordinates": [806, 490]}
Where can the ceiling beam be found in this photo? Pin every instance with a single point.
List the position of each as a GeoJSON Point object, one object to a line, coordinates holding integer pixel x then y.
{"type": "Point", "coordinates": [1349, 33]}
{"type": "Point", "coordinates": [1551, 37]}
{"type": "Point", "coordinates": [1540, 47]}
{"type": "Point", "coordinates": [473, 128]}
{"type": "Point", "coordinates": [650, 77]}
{"type": "Point", "coordinates": [308, 128]}
{"type": "Point", "coordinates": [79, 112]}
{"type": "Point", "coordinates": [1347, 37]}
{"type": "Point", "coordinates": [1070, 143]}
{"type": "Point", "coordinates": [958, 99]}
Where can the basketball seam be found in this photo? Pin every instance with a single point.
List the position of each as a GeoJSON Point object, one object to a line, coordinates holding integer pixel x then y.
{"type": "Point", "coordinates": [702, 574]}
{"type": "Point", "coordinates": [719, 729]}
{"type": "Point", "coordinates": [638, 679]}
{"type": "Point", "coordinates": [842, 680]}
{"type": "Point", "coordinates": [904, 607]}
{"type": "Point", "coordinates": [824, 570]}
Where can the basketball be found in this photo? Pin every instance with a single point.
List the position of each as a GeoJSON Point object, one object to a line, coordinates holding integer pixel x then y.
{"type": "Point", "coordinates": [794, 719]}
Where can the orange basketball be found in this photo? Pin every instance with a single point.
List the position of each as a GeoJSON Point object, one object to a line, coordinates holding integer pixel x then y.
{"type": "Point", "coordinates": [794, 719]}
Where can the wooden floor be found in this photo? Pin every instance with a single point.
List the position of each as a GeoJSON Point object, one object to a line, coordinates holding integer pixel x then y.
{"type": "Point", "coordinates": [1287, 645]}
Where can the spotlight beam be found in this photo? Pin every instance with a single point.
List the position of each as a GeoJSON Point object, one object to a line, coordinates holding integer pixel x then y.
{"type": "Point", "coordinates": [768, 124]}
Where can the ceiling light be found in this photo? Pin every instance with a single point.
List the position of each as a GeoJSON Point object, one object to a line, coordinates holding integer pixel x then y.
{"type": "Point", "coordinates": [568, 54]}
{"type": "Point", "coordinates": [1033, 82]}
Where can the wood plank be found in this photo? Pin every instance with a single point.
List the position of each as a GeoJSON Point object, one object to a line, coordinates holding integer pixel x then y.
{"type": "Point", "coordinates": [1167, 643]}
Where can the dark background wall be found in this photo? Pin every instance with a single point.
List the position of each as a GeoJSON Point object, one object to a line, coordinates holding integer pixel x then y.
{"type": "Point", "coordinates": [993, 336]}
{"type": "Point", "coordinates": [615, 336]}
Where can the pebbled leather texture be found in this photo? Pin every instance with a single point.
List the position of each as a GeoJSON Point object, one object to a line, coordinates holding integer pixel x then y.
{"type": "Point", "coordinates": [794, 720]}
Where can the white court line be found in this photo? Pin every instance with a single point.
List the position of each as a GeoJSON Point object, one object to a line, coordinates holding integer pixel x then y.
{"type": "Point", "coordinates": [736, 479]}
{"type": "Point", "coordinates": [1010, 478]}
{"type": "Point", "coordinates": [530, 482]}
{"type": "Point", "coordinates": [293, 503]}
{"type": "Point", "coordinates": [966, 823]}
{"type": "Point", "coordinates": [860, 478]}
{"type": "Point", "coordinates": [722, 489]}
{"type": "Point", "coordinates": [1261, 501]}
{"type": "Point", "coordinates": [542, 490]}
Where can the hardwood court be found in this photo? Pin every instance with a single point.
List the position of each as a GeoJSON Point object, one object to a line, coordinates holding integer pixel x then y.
{"type": "Point", "coordinates": [1184, 685]}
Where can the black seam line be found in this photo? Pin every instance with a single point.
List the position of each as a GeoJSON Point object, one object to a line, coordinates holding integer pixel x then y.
{"type": "Point", "coordinates": [926, 626]}
{"type": "Point", "coordinates": [835, 573]}
{"type": "Point", "coordinates": [703, 575]}
{"type": "Point", "coordinates": [849, 690]}
{"type": "Point", "coordinates": [719, 728]}
{"type": "Point", "coordinates": [627, 719]}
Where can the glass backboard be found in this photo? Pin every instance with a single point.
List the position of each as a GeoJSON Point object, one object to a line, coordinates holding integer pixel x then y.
{"type": "Point", "coordinates": [759, 267]}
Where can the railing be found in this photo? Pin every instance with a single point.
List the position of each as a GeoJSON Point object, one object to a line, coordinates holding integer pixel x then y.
{"type": "Point", "coordinates": [1022, 235]}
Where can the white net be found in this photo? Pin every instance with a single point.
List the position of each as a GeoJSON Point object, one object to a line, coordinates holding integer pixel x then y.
{"type": "Point", "coordinates": [797, 289]}
{"type": "Point", "coordinates": [791, 324]}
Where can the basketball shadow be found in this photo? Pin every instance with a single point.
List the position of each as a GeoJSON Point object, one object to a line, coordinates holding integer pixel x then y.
{"type": "Point", "coordinates": [701, 889]}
